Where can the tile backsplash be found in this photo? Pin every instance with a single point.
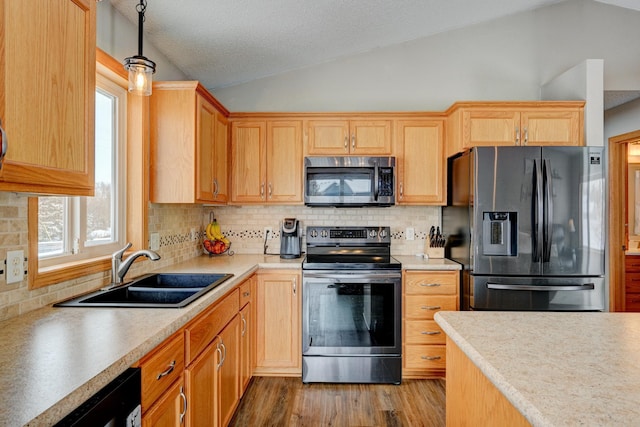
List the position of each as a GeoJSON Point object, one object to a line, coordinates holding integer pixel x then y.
{"type": "Point", "coordinates": [243, 225]}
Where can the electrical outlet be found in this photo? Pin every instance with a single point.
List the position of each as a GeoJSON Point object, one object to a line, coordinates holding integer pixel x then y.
{"type": "Point", "coordinates": [268, 231]}
{"type": "Point", "coordinates": [193, 234]}
{"type": "Point", "coordinates": [15, 266]}
{"type": "Point", "coordinates": [410, 233]}
{"type": "Point", "coordinates": [154, 241]}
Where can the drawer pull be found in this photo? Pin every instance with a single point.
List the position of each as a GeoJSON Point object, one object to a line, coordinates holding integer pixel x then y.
{"type": "Point", "coordinates": [430, 285]}
{"type": "Point", "coordinates": [431, 357]}
{"type": "Point", "coordinates": [430, 332]}
{"type": "Point", "coordinates": [430, 307]}
{"type": "Point", "coordinates": [246, 294]}
{"type": "Point", "coordinates": [168, 371]}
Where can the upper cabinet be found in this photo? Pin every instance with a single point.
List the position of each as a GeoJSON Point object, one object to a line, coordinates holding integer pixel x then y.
{"type": "Point", "coordinates": [421, 165]}
{"type": "Point", "coordinates": [515, 123]}
{"type": "Point", "coordinates": [266, 161]}
{"type": "Point", "coordinates": [189, 145]}
{"type": "Point", "coordinates": [330, 137]}
{"type": "Point", "coordinates": [47, 96]}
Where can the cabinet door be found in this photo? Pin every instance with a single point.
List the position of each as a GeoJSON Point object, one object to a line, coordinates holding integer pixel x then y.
{"type": "Point", "coordinates": [170, 410]}
{"type": "Point", "coordinates": [278, 349]}
{"type": "Point", "coordinates": [548, 127]}
{"type": "Point", "coordinates": [248, 141]}
{"type": "Point", "coordinates": [421, 163]}
{"type": "Point", "coordinates": [328, 137]}
{"type": "Point", "coordinates": [47, 70]}
{"type": "Point", "coordinates": [284, 161]}
{"type": "Point", "coordinates": [228, 384]}
{"type": "Point", "coordinates": [246, 337]}
{"type": "Point", "coordinates": [221, 159]}
{"type": "Point", "coordinates": [370, 137]}
{"type": "Point", "coordinates": [201, 378]}
{"type": "Point", "coordinates": [490, 127]}
{"type": "Point", "coordinates": [205, 137]}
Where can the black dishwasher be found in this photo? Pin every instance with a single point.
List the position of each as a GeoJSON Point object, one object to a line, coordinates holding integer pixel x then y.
{"type": "Point", "coordinates": [115, 405]}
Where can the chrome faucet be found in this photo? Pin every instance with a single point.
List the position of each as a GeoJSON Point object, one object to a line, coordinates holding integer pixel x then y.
{"type": "Point", "coordinates": [119, 268]}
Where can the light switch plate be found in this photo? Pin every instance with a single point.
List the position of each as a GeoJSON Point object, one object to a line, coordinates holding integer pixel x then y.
{"type": "Point", "coordinates": [410, 233]}
{"type": "Point", "coordinates": [15, 266]}
{"type": "Point", "coordinates": [154, 241]}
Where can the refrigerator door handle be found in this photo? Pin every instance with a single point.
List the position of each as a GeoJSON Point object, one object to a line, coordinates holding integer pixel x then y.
{"type": "Point", "coordinates": [547, 218]}
{"type": "Point", "coordinates": [584, 287]}
{"type": "Point", "coordinates": [537, 214]}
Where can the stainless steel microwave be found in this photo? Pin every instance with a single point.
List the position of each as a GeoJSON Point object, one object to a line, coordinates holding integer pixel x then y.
{"type": "Point", "coordinates": [349, 181]}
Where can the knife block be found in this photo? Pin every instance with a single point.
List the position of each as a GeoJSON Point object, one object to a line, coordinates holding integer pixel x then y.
{"type": "Point", "coordinates": [434, 252]}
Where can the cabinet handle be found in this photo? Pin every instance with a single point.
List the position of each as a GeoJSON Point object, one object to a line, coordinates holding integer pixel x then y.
{"type": "Point", "coordinates": [224, 355]}
{"type": "Point", "coordinates": [5, 144]}
{"type": "Point", "coordinates": [353, 140]}
{"type": "Point", "coordinates": [431, 307]}
{"type": "Point", "coordinates": [262, 190]}
{"type": "Point", "coordinates": [295, 285]}
{"type": "Point", "coordinates": [430, 332]}
{"type": "Point", "coordinates": [184, 405]}
{"type": "Point", "coordinates": [526, 136]}
{"type": "Point", "coordinates": [168, 371]}
{"type": "Point", "coordinates": [401, 190]}
{"type": "Point", "coordinates": [219, 350]}
{"type": "Point", "coordinates": [216, 187]}
{"type": "Point", "coordinates": [270, 190]}
{"type": "Point", "coordinates": [430, 285]}
{"type": "Point", "coordinates": [517, 135]}
{"type": "Point", "coordinates": [346, 143]}
{"type": "Point", "coordinates": [244, 324]}
{"type": "Point", "coordinates": [246, 294]}
{"type": "Point", "coordinates": [431, 357]}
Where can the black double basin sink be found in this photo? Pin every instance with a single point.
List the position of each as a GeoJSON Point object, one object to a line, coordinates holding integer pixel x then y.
{"type": "Point", "coordinates": [163, 290]}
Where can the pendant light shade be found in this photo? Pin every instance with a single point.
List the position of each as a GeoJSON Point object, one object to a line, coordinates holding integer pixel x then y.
{"type": "Point", "coordinates": [140, 68]}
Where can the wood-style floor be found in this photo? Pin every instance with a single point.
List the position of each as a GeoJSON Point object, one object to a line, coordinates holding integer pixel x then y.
{"type": "Point", "coordinates": [277, 401]}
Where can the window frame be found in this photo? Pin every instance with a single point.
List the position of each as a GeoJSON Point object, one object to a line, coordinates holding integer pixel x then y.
{"type": "Point", "coordinates": [136, 166]}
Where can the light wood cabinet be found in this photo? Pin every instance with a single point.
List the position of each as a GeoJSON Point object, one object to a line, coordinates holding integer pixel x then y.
{"type": "Point", "coordinates": [420, 161]}
{"type": "Point", "coordinates": [424, 294]}
{"type": "Point", "coordinates": [278, 348]}
{"type": "Point", "coordinates": [47, 82]}
{"type": "Point", "coordinates": [266, 161]}
{"type": "Point", "coordinates": [247, 334]}
{"type": "Point", "coordinates": [329, 137]}
{"type": "Point", "coordinates": [170, 410]}
{"type": "Point", "coordinates": [189, 145]}
{"type": "Point", "coordinates": [160, 369]}
{"type": "Point", "coordinates": [515, 123]}
{"type": "Point", "coordinates": [228, 379]}
{"type": "Point", "coordinates": [201, 377]}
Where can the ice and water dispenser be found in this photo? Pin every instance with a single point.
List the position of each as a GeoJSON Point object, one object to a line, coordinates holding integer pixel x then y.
{"type": "Point", "coordinates": [499, 233]}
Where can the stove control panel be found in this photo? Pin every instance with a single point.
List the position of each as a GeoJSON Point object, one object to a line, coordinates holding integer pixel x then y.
{"type": "Point", "coordinates": [348, 235]}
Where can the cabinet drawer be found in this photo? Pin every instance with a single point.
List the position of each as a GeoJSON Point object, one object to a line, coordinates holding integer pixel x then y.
{"type": "Point", "coordinates": [204, 329]}
{"type": "Point", "coordinates": [423, 332]}
{"type": "Point", "coordinates": [632, 263]}
{"type": "Point", "coordinates": [245, 293]}
{"type": "Point", "coordinates": [425, 356]}
{"type": "Point", "coordinates": [440, 283]}
{"type": "Point", "coordinates": [632, 283]}
{"type": "Point", "coordinates": [632, 302]}
{"type": "Point", "coordinates": [424, 307]}
{"type": "Point", "coordinates": [161, 368]}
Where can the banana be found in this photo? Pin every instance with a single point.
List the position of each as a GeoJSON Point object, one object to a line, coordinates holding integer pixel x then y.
{"type": "Point", "coordinates": [214, 232]}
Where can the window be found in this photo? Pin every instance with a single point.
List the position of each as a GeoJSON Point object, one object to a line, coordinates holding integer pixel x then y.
{"type": "Point", "coordinates": [77, 228]}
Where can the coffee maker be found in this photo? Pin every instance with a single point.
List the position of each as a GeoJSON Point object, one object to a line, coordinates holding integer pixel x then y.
{"type": "Point", "coordinates": [290, 239]}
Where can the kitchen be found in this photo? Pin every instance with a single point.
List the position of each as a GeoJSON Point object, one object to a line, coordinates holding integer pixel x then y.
{"type": "Point", "coordinates": [245, 224]}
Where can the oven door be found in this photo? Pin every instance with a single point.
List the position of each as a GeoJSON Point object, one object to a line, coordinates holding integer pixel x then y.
{"type": "Point", "coordinates": [351, 313]}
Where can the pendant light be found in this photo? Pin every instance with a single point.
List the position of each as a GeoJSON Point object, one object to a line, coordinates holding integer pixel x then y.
{"type": "Point", "coordinates": [140, 68]}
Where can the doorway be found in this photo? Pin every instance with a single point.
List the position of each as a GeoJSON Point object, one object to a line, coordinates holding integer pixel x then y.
{"type": "Point", "coordinates": [618, 215]}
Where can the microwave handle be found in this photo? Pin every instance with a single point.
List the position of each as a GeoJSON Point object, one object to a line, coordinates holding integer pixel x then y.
{"type": "Point", "coordinates": [376, 178]}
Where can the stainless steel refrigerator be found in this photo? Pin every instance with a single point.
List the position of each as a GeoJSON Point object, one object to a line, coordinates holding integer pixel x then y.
{"type": "Point", "coordinates": [528, 226]}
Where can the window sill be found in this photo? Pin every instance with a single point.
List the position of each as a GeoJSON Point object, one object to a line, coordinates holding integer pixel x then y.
{"type": "Point", "coordinates": [41, 277]}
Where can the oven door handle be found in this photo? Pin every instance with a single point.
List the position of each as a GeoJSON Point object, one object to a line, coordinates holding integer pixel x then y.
{"type": "Point", "coordinates": [376, 184]}
{"type": "Point", "coordinates": [585, 287]}
{"type": "Point", "coordinates": [357, 276]}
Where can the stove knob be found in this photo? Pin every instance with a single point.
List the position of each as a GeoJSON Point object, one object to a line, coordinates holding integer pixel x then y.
{"type": "Point", "coordinates": [383, 234]}
{"type": "Point", "coordinates": [324, 234]}
{"type": "Point", "coordinates": [373, 234]}
{"type": "Point", "coordinates": [313, 233]}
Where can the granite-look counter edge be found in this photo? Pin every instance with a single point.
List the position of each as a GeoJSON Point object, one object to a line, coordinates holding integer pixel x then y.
{"type": "Point", "coordinates": [557, 369]}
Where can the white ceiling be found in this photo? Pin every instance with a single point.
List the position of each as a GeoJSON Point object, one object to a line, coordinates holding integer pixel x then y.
{"type": "Point", "coordinates": [226, 42]}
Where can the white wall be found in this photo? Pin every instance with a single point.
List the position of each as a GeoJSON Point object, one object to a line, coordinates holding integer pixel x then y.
{"type": "Point", "coordinates": [506, 59]}
{"type": "Point", "coordinates": [622, 119]}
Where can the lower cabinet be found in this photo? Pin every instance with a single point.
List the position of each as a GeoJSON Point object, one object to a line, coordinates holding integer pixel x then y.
{"type": "Point", "coordinates": [170, 410]}
{"type": "Point", "coordinates": [278, 348]}
{"type": "Point", "coordinates": [227, 386]}
{"type": "Point", "coordinates": [423, 342]}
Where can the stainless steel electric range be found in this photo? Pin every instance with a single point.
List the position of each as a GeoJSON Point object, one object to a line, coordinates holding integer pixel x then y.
{"type": "Point", "coordinates": [351, 310]}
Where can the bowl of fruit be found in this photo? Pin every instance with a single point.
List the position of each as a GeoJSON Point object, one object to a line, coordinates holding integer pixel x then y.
{"type": "Point", "coordinates": [215, 243]}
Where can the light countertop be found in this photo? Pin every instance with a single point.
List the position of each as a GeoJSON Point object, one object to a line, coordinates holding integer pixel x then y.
{"type": "Point", "coordinates": [557, 369]}
{"type": "Point", "coordinates": [53, 359]}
